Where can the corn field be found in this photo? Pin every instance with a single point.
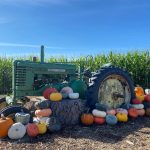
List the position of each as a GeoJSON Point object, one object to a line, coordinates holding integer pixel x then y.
{"type": "Point", "coordinates": [136, 63]}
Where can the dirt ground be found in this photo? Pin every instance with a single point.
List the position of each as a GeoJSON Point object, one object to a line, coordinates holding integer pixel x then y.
{"type": "Point", "coordinates": [134, 135]}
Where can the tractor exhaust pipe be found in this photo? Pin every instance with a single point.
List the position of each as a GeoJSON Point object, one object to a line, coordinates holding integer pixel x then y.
{"type": "Point", "coordinates": [42, 54]}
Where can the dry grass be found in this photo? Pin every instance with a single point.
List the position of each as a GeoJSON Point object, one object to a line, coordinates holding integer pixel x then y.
{"type": "Point", "coordinates": [134, 135]}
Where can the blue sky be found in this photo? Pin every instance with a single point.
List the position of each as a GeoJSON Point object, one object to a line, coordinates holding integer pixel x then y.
{"type": "Point", "coordinates": [73, 27]}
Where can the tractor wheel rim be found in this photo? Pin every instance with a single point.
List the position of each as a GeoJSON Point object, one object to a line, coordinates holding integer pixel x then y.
{"type": "Point", "coordinates": [114, 91]}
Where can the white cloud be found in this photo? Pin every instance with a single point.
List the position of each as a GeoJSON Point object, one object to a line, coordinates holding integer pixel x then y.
{"type": "Point", "coordinates": [27, 45]}
{"type": "Point", "coordinates": [33, 2]}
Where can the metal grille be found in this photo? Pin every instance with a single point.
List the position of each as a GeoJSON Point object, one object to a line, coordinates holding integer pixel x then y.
{"type": "Point", "coordinates": [20, 76]}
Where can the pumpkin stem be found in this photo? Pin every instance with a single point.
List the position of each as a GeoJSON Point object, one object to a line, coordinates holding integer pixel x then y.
{"type": "Point", "coordinates": [3, 117]}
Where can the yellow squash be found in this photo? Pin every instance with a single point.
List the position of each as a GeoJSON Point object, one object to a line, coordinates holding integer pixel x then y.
{"type": "Point", "coordinates": [42, 128]}
{"type": "Point", "coordinates": [55, 97]}
{"type": "Point", "coordinates": [122, 117]}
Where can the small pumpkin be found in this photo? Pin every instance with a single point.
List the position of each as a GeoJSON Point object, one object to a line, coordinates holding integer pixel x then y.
{"type": "Point", "coordinates": [133, 112]}
{"type": "Point", "coordinates": [24, 118]}
{"type": "Point", "coordinates": [141, 112]}
{"type": "Point", "coordinates": [47, 92]}
{"type": "Point", "coordinates": [16, 131]}
{"type": "Point", "coordinates": [147, 98]}
{"type": "Point", "coordinates": [139, 91]}
{"type": "Point", "coordinates": [136, 101]}
{"type": "Point", "coordinates": [122, 117]}
{"type": "Point", "coordinates": [111, 119]}
{"type": "Point", "coordinates": [98, 113]}
{"type": "Point", "coordinates": [53, 124]}
{"type": "Point", "coordinates": [147, 91]}
{"type": "Point", "coordinates": [36, 120]}
{"type": "Point", "coordinates": [121, 110]}
{"type": "Point", "coordinates": [32, 130]}
{"type": "Point", "coordinates": [42, 119]}
{"type": "Point", "coordinates": [111, 112]}
{"type": "Point", "coordinates": [73, 95]}
{"type": "Point", "coordinates": [147, 112]}
{"type": "Point", "coordinates": [137, 106]}
{"type": "Point", "coordinates": [5, 124]}
{"type": "Point", "coordinates": [42, 128]}
{"type": "Point", "coordinates": [44, 104]}
{"type": "Point", "coordinates": [87, 119]}
{"type": "Point", "coordinates": [43, 112]}
{"type": "Point", "coordinates": [99, 120]}
{"type": "Point", "coordinates": [67, 90]}
{"type": "Point", "coordinates": [56, 97]}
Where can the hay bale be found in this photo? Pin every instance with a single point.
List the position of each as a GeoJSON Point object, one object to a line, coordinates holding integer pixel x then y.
{"type": "Point", "coordinates": [68, 111]}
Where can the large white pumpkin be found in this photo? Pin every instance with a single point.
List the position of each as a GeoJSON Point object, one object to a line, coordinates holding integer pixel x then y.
{"type": "Point", "coordinates": [98, 113]}
{"type": "Point", "coordinates": [16, 131]}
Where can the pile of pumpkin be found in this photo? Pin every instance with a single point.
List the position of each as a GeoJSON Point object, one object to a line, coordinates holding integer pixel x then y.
{"type": "Point", "coordinates": [17, 128]}
{"type": "Point", "coordinates": [54, 95]}
{"type": "Point", "coordinates": [43, 120]}
{"type": "Point", "coordinates": [139, 106]}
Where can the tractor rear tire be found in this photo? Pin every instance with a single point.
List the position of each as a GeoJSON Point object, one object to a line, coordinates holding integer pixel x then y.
{"type": "Point", "coordinates": [98, 90]}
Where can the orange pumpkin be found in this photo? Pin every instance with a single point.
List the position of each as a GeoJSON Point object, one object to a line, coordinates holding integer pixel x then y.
{"type": "Point", "coordinates": [5, 124]}
{"type": "Point", "coordinates": [87, 119]}
{"type": "Point", "coordinates": [32, 130]}
{"type": "Point", "coordinates": [43, 112]}
{"type": "Point", "coordinates": [141, 112]}
{"type": "Point", "coordinates": [111, 112]}
{"type": "Point", "coordinates": [148, 112]}
{"type": "Point", "coordinates": [139, 91]}
{"type": "Point", "coordinates": [132, 112]}
{"type": "Point", "coordinates": [99, 120]}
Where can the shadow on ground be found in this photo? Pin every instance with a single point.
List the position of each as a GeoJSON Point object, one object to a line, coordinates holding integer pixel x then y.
{"type": "Point", "coordinates": [103, 133]}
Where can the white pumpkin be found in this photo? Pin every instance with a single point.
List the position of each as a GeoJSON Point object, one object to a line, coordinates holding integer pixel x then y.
{"type": "Point", "coordinates": [66, 90]}
{"type": "Point", "coordinates": [73, 95]}
{"type": "Point", "coordinates": [24, 118]}
{"type": "Point", "coordinates": [16, 131]}
{"type": "Point", "coordinates": [147, 91]}
{"type": "Point", "coordinates": [36, 120]}
{"type": "Point", "coordinates": [42, 119]}
{"type": "Point", "coordinates": [137, 106]}
{"type": "Point", "coordinates": [98, 113]}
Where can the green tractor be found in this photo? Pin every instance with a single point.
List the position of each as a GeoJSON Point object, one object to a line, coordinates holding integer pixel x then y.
{"type": "Point", "coordinates": [109, 86]}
